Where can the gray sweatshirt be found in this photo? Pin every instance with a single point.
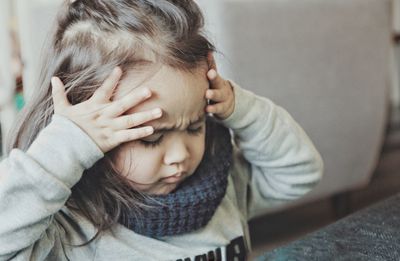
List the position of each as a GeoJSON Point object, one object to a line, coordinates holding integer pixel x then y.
{"type": "Point", "coordinates": [274, 162]}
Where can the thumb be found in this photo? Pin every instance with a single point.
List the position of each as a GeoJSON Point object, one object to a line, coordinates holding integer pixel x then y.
{"type": "Point", "coordinates": [58, 93]}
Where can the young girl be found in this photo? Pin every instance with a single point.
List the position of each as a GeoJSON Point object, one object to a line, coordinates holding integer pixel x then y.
{"type": "Point", "coordinates": [125, 151]}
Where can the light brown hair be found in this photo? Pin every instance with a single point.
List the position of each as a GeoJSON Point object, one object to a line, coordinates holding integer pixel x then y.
{"type": "Point", "coordinates": [92, 37]}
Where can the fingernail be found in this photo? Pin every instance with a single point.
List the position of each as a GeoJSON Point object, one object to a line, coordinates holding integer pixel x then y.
{"type": "Point", "coordinates": [146, 93]}
{"type": "Point", "coordinates": [157, 112]}
{"type": "Point", "coordinates": [212, 74]}
{"type": "Point", "coordinates": [117, 70]}
{"type": "Point", "coordinates": [148, 130]}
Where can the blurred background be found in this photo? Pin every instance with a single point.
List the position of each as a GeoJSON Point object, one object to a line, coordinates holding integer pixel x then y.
{"type": "Point", "coordinates": [334, 65]}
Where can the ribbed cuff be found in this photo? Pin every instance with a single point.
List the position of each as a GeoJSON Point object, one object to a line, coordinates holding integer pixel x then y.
{"type": "Point", "coordinates": [64, 150]}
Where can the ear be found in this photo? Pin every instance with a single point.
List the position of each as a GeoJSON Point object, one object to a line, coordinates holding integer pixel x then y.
{"type": "Point", "coordinates": [211, 61]}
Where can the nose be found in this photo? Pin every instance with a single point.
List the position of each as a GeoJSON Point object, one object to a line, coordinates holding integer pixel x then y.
{"type": "Point", "coordinates": [177, 152]}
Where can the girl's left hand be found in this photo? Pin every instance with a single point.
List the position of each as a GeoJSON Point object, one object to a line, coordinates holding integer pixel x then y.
{"type": "Point", "coordinates": [221, 95]}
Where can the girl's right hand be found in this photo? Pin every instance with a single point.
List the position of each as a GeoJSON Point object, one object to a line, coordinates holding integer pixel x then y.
{"type": "Point", "coordinates": [102, 118]}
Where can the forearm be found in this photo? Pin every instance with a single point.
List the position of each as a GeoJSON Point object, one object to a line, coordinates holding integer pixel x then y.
{"type": "Point", "coordinates": [284, 162]}
{"type": "Point", "coordinates": [36, 184]}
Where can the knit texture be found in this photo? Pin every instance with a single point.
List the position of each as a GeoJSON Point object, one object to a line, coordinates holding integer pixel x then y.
{"type": "Point", "coordinates": [192, 205]}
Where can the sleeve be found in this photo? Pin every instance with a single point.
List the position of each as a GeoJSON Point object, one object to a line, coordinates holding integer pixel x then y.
{"type": "Point", "coordinates": [34, 185]}
{"type": "Point", "coordinates": [275, 162]}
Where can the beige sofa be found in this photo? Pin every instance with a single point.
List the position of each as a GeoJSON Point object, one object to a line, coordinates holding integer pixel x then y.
{"type": "Point", "coordinates": [329, 63]}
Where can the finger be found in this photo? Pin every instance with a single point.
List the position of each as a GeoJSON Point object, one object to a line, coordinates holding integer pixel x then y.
{"type": "Point", "coordinates": [136, 119]}
{"type": "Point", "coordinates": [216, 95]}
{"type": "Point", "coordinates": [58, 93]}
{"type": "Point", "coordinates": [105, 91]}
{"type": "Point", "coordinates": [135, 97]}
{"type": "Point", "coordinates": [217, 108]}
{"type": "Point", "coordinates": [216, 81]}
{"type": "Point", "coordinates": [133, 134]}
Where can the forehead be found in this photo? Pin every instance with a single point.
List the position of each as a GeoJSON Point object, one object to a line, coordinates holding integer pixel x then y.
{"type": "Point", "coordinates": [180, 94]}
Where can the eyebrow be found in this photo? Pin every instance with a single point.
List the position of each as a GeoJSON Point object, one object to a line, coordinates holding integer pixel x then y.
{"type": "Point", "coordinates": [201, 119]}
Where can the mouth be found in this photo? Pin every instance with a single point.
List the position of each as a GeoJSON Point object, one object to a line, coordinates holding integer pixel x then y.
{"type": "Point", "coordinates": [174, 178]}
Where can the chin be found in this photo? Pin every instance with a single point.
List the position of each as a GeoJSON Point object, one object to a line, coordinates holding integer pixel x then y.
{"type": "Point", "coordinates": [165, 190]}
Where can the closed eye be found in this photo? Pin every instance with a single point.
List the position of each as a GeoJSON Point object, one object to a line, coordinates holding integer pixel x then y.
{"type": "Point", "coordinates": [156, 139]}
{"type": "Point", "coordinates": [152, 141]}
{"type": "Point", "coordinates": [195, 131]}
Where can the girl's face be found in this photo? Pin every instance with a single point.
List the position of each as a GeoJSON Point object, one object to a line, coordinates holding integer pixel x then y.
{"type": "Point", "coordinates": [158, 163]}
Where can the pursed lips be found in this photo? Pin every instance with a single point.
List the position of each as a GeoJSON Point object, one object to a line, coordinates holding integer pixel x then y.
{"type": "Point", "coordinates": [174, 178]}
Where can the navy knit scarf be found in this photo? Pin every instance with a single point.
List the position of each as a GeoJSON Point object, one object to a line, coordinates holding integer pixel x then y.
{"type": "Point", "coordinates": [192, 205]}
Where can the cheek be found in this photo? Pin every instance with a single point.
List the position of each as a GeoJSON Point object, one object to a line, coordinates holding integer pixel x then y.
{"type": "Point", "coordinates": [138, 164]}
{"type": "Point", "coordinates": [197, 148]}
